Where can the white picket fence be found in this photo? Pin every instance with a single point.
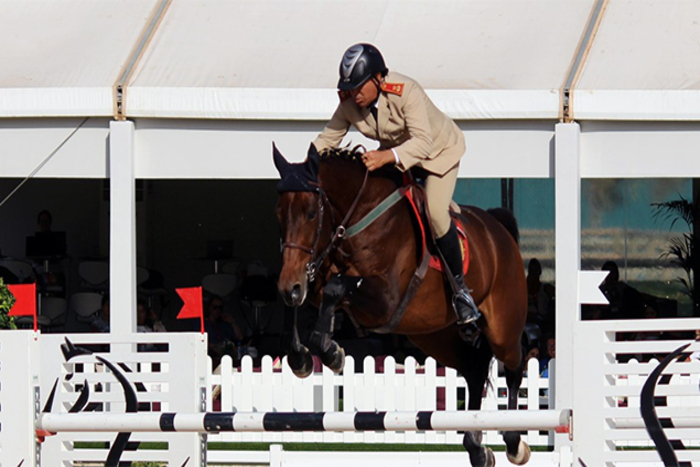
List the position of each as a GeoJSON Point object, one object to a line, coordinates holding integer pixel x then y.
{"type": "Point", "coordinates": [407, 387]}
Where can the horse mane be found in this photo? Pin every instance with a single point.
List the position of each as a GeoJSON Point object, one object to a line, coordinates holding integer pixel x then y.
{"type": "Point", "coordinates": [353, 155]}
{"type": "Point", "coordinates": [347, 153]}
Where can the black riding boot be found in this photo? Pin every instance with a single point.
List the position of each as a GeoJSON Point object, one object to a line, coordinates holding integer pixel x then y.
{"type": "Point", "coordinates": [462, 301]}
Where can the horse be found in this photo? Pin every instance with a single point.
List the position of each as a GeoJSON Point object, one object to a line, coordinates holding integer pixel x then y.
{"type": "Point", "coordinates": [349, 241]}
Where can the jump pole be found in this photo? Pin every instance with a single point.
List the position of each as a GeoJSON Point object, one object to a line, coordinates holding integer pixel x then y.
{"type": "Point", "coordinates": [214, 422]}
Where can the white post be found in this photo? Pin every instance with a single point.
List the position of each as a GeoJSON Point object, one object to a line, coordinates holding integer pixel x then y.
{"type": "Point", "coordinates": [122, 240]}
{"type": "Point", "coordinates": [20, 398]}
{"type": "Point", "coordinates": [567, 260]}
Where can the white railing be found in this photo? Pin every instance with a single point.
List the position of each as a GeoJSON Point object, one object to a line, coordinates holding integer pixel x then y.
{"type": "Point", "coordinates": [607, 408]}
{"type": "Point", "coordinates": [608, 382]}
{"type": "Point", "coordinates": [407, 387]}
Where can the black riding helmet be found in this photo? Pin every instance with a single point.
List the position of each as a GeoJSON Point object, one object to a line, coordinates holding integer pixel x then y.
{"type": "Point", "coordinates": [360, 62]}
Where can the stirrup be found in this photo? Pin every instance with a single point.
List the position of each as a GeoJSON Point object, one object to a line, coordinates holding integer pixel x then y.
{"type": "Point", "coordinates": [467, 313]}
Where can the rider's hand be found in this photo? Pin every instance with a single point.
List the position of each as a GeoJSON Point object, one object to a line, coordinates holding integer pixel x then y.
{"type": "Point", "coordinates": [373, 160]}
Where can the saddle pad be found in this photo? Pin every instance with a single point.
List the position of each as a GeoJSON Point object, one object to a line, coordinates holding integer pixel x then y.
{"type": "Point", "coordinates": [435, 262]}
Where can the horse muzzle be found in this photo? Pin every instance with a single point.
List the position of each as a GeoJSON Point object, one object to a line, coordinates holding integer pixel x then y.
{"type": "Point", "coordinates": [294, 295]}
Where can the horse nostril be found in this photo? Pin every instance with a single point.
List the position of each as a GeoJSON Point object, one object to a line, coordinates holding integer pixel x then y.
{"type": "Point", "coordinates": [296, 293]}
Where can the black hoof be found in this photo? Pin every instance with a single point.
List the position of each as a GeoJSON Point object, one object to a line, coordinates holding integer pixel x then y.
{"type": "Point", "coordinates": [302, 364]}
{"type": "Point", "coordinates": [334, 358]}
{"type": "Point", "coordinates": [483, 457]}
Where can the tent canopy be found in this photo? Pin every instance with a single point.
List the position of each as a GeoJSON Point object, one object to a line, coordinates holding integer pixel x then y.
{"type": "Point", "coordinates": [277, 60]}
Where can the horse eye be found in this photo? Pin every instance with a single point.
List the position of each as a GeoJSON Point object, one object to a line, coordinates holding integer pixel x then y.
{"type": "Point", "coordinates": [311, 214]}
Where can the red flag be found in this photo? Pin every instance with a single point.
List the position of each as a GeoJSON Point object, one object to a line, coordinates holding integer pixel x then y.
{"type": "Point", "coordinates": [25, 300]}
{"type": "Point", "coordinates": [192, 296]}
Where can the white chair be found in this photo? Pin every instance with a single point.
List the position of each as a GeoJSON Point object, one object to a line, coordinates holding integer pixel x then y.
{"type": "Point", "coordinates": [53, 312]}
{"type": "Point", "coordinates": [86, 306]}
{"type": "Point", "coordinates": [222, 285]}
{"type": "Point", "coordinates": [21, 269]}
{"type": "Point", "coordinates": [95, 275]}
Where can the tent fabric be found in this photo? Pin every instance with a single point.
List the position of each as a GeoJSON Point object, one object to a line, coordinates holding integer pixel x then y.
{"type": "Point", "coordinates": [61, 58]}
{"type": "Point", "coordinates": [643, 63]}
{"type": "Point", "coordinates": [277, 60]}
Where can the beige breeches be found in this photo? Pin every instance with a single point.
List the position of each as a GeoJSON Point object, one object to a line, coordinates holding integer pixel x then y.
{"type": "Point", "coordinates": [439, 191]}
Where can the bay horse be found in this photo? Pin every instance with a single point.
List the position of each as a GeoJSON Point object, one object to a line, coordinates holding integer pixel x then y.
{"type": "Point", "coordinates": [349, 241]}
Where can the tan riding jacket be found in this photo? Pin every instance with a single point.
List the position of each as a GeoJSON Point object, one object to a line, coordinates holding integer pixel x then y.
{"type": "Point", "coordinates": [409, 123]}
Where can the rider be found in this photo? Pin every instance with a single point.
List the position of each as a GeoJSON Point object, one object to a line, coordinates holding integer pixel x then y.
{"type": "Point", "coordinates": [395, 111]}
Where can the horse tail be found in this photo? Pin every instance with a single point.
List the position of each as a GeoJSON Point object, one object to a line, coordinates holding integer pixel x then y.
{"type": "Point", "coordinates": [507, 219]}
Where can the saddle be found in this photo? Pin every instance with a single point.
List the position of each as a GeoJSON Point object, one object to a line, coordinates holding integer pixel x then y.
{"type": "Point", "coordinates": [416, 197]}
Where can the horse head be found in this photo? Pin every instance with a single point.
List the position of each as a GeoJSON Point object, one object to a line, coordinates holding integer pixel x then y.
{"type": "Point", "coordinates": [300, 213]}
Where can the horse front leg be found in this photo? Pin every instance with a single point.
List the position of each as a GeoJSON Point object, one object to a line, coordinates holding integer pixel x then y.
{"type": "Point", "coordinates": [517, 450]}
{"type": "Point", "coordinates": [298, 356]}
{"type": "Point", "coordinates": [476, 372]}
{"type": "Point", "coordinates": [337, 288]}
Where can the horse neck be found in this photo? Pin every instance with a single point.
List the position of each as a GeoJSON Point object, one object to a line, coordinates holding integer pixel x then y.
{"type": "Point", "coordinates": [343, 182]}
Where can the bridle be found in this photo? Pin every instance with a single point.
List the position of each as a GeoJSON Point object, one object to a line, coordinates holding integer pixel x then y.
{"type": "Point", "coordinates": [315, 262]}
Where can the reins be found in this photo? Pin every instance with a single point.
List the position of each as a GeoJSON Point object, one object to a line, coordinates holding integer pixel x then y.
{"type": "Point", "coordinates": [340, 231]}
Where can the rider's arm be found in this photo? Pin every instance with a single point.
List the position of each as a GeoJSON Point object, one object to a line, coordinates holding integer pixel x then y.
{"type": "Point", "coordinates": [419, 145]}
{"type": "Point", "coordinates": [335, 130]}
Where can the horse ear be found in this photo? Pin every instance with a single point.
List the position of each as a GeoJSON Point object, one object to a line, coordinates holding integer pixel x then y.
{"type": "Point", "coordinates": [280, 162]}
{"type": "Point", "coordinates": [313, 159]}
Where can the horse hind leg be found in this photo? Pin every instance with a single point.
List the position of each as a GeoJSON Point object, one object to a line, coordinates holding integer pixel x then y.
{"type": "Point", "coordinates": [517, 450]}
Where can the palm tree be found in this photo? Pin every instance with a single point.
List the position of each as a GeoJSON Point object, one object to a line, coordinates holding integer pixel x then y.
{"type": "Point", "coordinates": [682, 250]}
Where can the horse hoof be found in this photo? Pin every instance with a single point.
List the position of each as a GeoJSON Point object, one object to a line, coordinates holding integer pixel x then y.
{"type": "Point", "coordinates": [334, 358]}
{"type": "Point", "coordinates": [522, 456]}
{"type": "Point", "coordinates": [490, 458]}
{"type": "Point", "coordinates": [302, 364]}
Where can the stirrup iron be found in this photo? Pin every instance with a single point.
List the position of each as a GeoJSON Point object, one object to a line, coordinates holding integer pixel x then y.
{"type": "Point", "coordinates": [468, 313]}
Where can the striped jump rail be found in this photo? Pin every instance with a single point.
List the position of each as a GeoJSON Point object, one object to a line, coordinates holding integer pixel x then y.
{"type": "Point", "coordinates": [215, 422]}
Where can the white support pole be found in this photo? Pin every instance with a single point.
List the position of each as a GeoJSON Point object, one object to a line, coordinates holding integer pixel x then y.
{"type": "Point", "coordinates": [20, 398]}
{"type": "Point", "coordinates": [568, 260]}
{"type": "Point", "coordinates": [122, 240]}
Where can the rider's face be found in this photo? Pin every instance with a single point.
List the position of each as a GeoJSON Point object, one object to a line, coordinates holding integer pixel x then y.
{"type": "Point", "coordinates": [365, 94]}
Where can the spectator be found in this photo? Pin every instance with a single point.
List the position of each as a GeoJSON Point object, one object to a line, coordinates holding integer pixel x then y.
{"type": "Point", "coordinates": [101, 322]}
{"type": "Point", "coordinates": [551, 353]}
{"type": "Point", "coordinates": [147, 320]}
{"type": "Point", "coordinates": [532, 351]}
{"type": "Point", "coordinates": [625, 302]}
{"type": "Point", "coordinates": [44, 221]}
{"type": "Point", "coordinates": [540, 298]}
{"type": "Point", "coordinates": [223, 334]}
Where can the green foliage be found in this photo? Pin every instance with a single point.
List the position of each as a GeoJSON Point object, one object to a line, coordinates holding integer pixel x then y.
{"type": "Point", "coordinates": [6, 302]}
{"type": "Point", "coordinates": [677, 209]}
{"type": "Point", "coordinates": [681, 251]}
